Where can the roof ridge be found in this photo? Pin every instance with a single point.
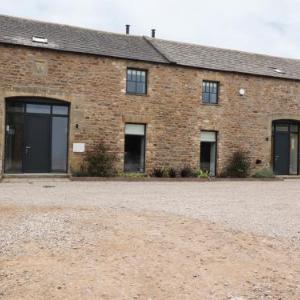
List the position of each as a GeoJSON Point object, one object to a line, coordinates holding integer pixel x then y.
{"type": "Point", "coordinates": [68, 25]}
{"type": "Point", "coordinates": [19, 31]}
{"type": "Point", "coordinates": [150, 39]}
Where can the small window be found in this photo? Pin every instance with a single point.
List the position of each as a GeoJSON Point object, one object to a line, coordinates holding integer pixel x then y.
{"type": "Point", "coordinates": [38, 108]}
{"type": "Point", "coordinates": [210, 92]}
{"type": "Point", "coordinates": [60, 110]}
{"type": "Point", "coordinates": [136, 82]}
{"type": "Point", "coordinates": [15, 107]}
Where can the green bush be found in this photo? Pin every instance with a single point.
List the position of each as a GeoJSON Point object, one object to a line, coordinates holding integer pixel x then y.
{"type": "Point", "coordinates": [264, 173]}
{"type": "Point", "coordinates": [201, 174]}
{"type": "Point", "coordinates": [186, 172]}
{"type": "Point", "coordinates": [172, 173]}
{"type": "Point", "coordinates": [98, 162]}
{"type": "Point", "coordinates": [239, 165]}
{"type": "Point", "coordinates": [158, 172]}
{"type": "Point", "coordinates": [82, 172]}
{"type": "Point", "coordinates": [164, 172]}
{"type": "Point", "coordinates": [132, 175]}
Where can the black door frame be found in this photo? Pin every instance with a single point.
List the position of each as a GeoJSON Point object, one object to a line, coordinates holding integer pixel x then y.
{"type": "Point", "coordinates": [289, 123]}
{"type": "Point", "coordinates": [42, 101]}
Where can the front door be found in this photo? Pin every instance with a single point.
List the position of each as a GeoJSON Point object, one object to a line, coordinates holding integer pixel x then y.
{"type": "Point", "coordinates": [37, 144]}
{"type": "Point", "coordinates": [208, 147]}
{"type": "Point", "coordinates": [36, 139]}
{"type": "Point", "coordinates": [286, 147]}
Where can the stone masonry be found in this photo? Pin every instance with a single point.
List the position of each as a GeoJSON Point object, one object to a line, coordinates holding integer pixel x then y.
{"type": "Point", "coordinates": [172, 109]}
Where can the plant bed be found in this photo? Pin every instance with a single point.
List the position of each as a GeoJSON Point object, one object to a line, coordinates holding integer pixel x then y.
{"type": "Point", "coordinates": [177, 179]}
{"type": "Point", "coordinates": [139, 179]}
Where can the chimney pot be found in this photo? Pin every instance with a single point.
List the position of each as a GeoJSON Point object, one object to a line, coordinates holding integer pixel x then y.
{"type": "Point", "coordinates": [127, 28]}
{"type": "Point", "coordinates": [153, 31]}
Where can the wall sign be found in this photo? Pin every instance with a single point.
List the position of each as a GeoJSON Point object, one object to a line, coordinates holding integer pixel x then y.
{"type": "Point", "coordinates": [78, 147]}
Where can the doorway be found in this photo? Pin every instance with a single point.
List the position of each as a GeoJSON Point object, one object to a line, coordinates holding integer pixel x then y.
{"type": "Point", "coordinates": [208, 152]}
{"type": "Point", "coordinates": [36, 136]}
{"type": "Point", "coordinates": [286, 147]}
{"type": "Point", "coordinates": [134, 160]}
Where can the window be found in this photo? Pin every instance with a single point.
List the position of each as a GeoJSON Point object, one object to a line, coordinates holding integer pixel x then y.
{"type": "Point", "coordinates": [210, 92]}
{"type": "Point", "coordinates": [134, 160]}
{"type": "Point", "coordinates": [60, 110]}
{"type": "Point", "coordinates": [38, 108]}
{"type": "Point", "coordinates": [59, 146]}
{"type": "Point", "coordinates": [136, 82]}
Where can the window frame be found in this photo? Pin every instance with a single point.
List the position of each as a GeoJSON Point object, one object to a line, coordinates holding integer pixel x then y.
{"type": "Point", "coordinates": [217, 94]}
{"type": "Point", "coordinates": [146, 82]}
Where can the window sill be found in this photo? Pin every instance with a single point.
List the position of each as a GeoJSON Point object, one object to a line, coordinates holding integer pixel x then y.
{"type": "Point", "coordinates": [136, 94]}
{"type": "Point", "coordinates": [210, 104]}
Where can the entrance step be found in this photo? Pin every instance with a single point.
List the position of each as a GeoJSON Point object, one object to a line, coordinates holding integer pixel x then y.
{"type": "Point", "coordinates": [289, 176]}
{"type": "Point", "coordinates": [35, 177]}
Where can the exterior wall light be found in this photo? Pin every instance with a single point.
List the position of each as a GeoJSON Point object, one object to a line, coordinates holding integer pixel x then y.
{"type": "Point", "coordinates": [242, 92]}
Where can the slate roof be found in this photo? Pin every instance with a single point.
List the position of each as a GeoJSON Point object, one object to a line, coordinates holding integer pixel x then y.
{"type": "Point", "coordinates": [68, 38]}
{"type": "Point", "coordinates": [20, 31]}
{"type": "Point", "coordinates": [228, 60]}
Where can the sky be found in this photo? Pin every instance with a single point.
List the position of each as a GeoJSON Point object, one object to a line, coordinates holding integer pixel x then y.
{"type": "Point", "coordinates": [261, 26]}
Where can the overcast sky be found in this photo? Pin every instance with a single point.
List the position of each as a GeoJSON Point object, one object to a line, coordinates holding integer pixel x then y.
{"type": "Point", "coordinates": [262, 26]}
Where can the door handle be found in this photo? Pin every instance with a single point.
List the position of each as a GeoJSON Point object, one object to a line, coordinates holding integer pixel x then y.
{"type": "Point", "coordinates": [27, 148]}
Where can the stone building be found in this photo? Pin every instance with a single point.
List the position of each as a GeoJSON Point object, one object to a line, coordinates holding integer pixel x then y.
{"type": "Point", "coordinates": [154, 102]}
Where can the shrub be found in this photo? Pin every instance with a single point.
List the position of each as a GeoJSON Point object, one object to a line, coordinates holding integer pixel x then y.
{"type": "Point", "coordinates": [264, 173]}
{"type": "Point", "coordinates": [186, 172]}
{"type": "Point", "coordinates": [164, 172]}
{"type": "Point", "coordinates": [82, 172]}
{"type": "Point", "coordinates": [132, 175]}
{"type": "Point", "coordinates": [239, 165]}
{"type": "Point", "coordinates": [172, 172]}
{"type": "Point", "coordinates": [158, 172]}
{"type": "Point", "coordinates": [99, 162]}
{"type": "Point", "coordinates": [202, 174]}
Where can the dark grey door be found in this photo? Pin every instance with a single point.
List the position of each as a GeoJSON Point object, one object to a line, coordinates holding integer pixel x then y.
{"type": "Point", "coordinates": [281, 151]}
{"type": "Point", "coordinates": [37, 144]}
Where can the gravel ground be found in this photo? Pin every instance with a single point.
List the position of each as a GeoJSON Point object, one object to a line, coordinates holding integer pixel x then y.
{"type": "Point", "coordinates": [149, 240]}
{"type": "Point", "coordinates": [267, 208]}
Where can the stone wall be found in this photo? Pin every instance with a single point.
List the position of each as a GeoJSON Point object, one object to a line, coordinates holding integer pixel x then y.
{"type": "Point", "coordinates": [172, 109]}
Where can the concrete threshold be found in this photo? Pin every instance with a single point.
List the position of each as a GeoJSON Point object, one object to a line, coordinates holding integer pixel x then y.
{"type": "Point", "coordinates": [34, 177]}
{"type": "Point", "coordinates": [289, 176]}
{"type": "Point", "coordinates": [37, 175]}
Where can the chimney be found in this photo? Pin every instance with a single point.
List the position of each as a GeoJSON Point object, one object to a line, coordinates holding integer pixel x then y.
{"type": "Point", "coordinates": [127, 28]}
{"type": "Point", "coordinates": [153, 33]}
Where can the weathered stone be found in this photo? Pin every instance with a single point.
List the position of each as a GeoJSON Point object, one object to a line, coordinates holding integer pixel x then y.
{"type": "Point", "coordinates": [172, 110]}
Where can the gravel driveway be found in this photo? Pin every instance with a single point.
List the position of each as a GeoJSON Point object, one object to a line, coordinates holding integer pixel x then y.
{"type": "Point", "coordinates": [267, 208]}
{"type": "Point", "coordinates": [149, 240]}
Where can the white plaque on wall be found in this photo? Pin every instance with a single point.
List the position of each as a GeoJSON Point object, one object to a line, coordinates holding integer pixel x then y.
{"type": "Point", "coordinates": [78, 147]}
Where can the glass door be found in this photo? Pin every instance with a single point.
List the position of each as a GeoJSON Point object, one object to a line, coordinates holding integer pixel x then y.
{"type": "Point", "coordinates": [286, 148]}
{"type": "Point", "coordinates": [36, 136]}
{"type": "Point", "coordinates": [294, 149]}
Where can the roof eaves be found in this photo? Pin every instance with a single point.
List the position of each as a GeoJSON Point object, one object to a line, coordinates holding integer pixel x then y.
{"type": "Point", "coordinates": [46, 47]}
